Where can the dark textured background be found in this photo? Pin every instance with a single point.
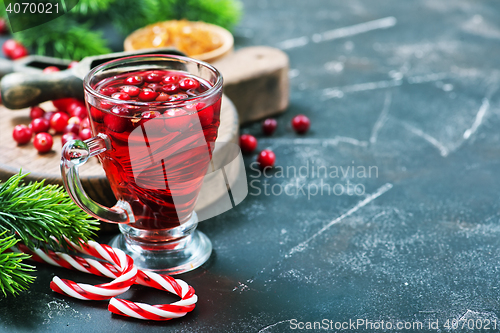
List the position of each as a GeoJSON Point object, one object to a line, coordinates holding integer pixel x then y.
{"type": "Point", "coordinates": [414, 95]}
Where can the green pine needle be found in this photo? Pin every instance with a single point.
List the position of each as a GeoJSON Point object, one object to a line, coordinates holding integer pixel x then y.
{"type": "Point", "coordinates": [14, 274]}
{"type": "Point", "coordinates": [42, 215]}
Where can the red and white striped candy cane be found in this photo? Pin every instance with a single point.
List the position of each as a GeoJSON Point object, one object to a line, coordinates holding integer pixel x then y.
{"type": "Point", "coordinates": [115, 271]}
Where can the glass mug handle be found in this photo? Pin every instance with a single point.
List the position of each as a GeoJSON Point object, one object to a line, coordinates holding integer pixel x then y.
{"type": "Point", "coordinates": [76, 153]}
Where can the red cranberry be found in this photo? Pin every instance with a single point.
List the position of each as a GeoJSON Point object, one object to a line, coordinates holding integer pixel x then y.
{"type": "Point", "coordinates": [177, 97]}
{"type": "Point", "coordinates": [62, 104]}
{"type": "Point", "coordinates": [19, 52]}
{"type": "Point", "coordinates": [36, 112]}
{"type": "Point", "coordinates": [106, 105]}
{"type": "Point", "coordinates": [39, 125]}
{"type": "Point", "coordinates": [131, 90]}
{"type": "Point", "coordinates": [153, 77]}
{"type": "Point", "coordinates": [300, 123]}
{"type": "Point", "coordinates": [72, 128]}
{"type": "Point", "coordinates": [43, 142]}
{"type": "Point", "coordinates": [177, 120]}
{"type": "Point", "coordinates": [266, 158]}
{"type": "Point", "coordinates": [134, 80]}
{"type": "Point", "coordinates": [96, 114]}
{"type": "Point", "coordinates": [49, 115]}
{"type": "Point", "coordinates": [50, 69]}
{"type": "Point", "coordinates": [9, 46]}
{"type": "Point", "coordinates": [108, 91]}
{"type": "Point", "coordinates": [171, 78]}
{"type": "Point", "coordinates": [116, 120]}
{"type": "Point", "coordinates": [85, 123]}
{"type": "Point", "coordinates": [79, 111]}
{"type": "Point", "coordinates": [59, 121]}
{"type": "Point", "coordinates": [154, 86]}
{"type": "Point", "coordinates": [22, 134]}
{"type": "Point", "coordinates": [248, 143]}
{"type": "Point", "coordinates": [121, 95]}
{"type": "Point", "coordinates": [68, 137]}
{"type": "Point", "coordinates": [206, 115]}
{"type": "Point", "coordinates": [74, 120]}
{"type": "Point", "coordinates": [85, 134]}
{"type": "Point", "coordinates": [170, 88]}
{"type": "Point", "coordinates": [162, 97]}
{"type": "Point", "coordinates": [269, 126]}
{"type": "Point", "coordinates": [3, 26]}
{"type": "Point", "coordinates": [73, 64]}
{"type": "Point", "coordinates": [189, 83]}
{"type": "Point", "coordinates": [147, 95]}
{"type": "Point", "coordinates": [147, 115]}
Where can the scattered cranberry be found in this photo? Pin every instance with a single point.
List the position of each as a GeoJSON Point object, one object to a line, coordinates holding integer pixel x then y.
{"type": "Point", "coordinates": [266, 158]}
{"type": "Point", "coordinates": [43, 142]}
{"type": "Point", "coordinates": [39, 125]}
{"type": "Point", "coordinates": [68, 137]}
{"type": "Point", "coordinates": [301, 123]}
{"type": "Point", "coordinates": [74, 120]}
{"type": "Point", "coordinates": [73, 64]}
{"type": "Point", "coordinates": [85, 134]}
{"type": "Point", "coordinates": [8, 47]}
{"type": "Point", "coordinates": [248, 143]}
{"type": "Point", "coordinates": [3, 26]}
{"type": "Point", "coordinates": [51, 69]}
{"type": "Point", "coordinates": [147, 95]}
{"type": "Point", "coordinates": [131, 90]}
{"type": "Point", "coordinates": [59, 121]}
{"type": "Point", "coordinates": [48, 115]}
{"type": "Point", "coordinates": [79, 112]}
{"type": "Point", "coordinates": [269, 126]}
{"type": "Point", "coordinates": [115, 121]}
{"type": "Point", "coordinates": [22, 134]}
{"type": "Point", "coordinates": [62, 104]}
{"type": "Point", "coordinates": [85, 123]}
{"type": "Point", "coordinates": [19, 52]}
{"type": "Point", "coordinates": [171, 79]}
{"type": "Point", "coordinates": [36, 112]}
{"type": "Point", "coordinates": [170, 88]}
{"type": "Point", "coordinates": [153, 77]}
{"type": "Point", "coordinates": [134, 80]}
{"type": "Point", "coordinates": [189, 83]}
{"type": "Point", "coordinates": [72, 128]}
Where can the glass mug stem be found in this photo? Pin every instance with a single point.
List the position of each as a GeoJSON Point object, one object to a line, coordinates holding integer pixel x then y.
{"type": "Point", "coordinates": [75, 154]}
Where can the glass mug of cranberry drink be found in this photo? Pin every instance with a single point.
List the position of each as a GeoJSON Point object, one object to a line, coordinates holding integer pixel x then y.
{"type": "Point", "coordinates": [154, 119]}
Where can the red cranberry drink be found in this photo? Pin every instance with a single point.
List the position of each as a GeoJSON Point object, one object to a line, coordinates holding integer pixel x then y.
{"type": "Point", "coordinates": [154, 121]}
{"type": "Point", "coordinates": [160, 156]}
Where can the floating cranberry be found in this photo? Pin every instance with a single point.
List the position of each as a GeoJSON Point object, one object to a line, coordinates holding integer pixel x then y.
{"type": "Point", "coordinates": [301, 123]}
{"type": "Point", "coordinates": [39, 125]}
{"type": "Point", "coordinates": [170, 88]}
{"type": "Point", "coordinates": [134, 80]}
{"type": "Point", "coordinates": [108, 91]}
{"type": "Point", "coordinates": [147, 95]}
{"type": "Point", "coordinates": [43, 142]}
{"type": "Point", "coordinates": [153, 77]}
{"type": "Point", "coordinates": [106, 105]}
{"type": "Point", "coordinates": [189, 83]}
{"type": "Point", "coordinates": [36, 112]}
{"type": "Point", "coordinates": [177, 120]}
{"type": "Point", "coordinates": [116, 121]}
{"type": "Point", "coordinates": [162, 97]}
{"type": "Point", "coordinates": [269, 126]}
{"type": "Point", "coordinates": [177, 97]}
{"type": "Point", "coordinates": [85, 134]}
{"type": "Point", "coordinates": [50, 69]}
{"type": "Point", "coordinates": [152, 128]}
{"type": "Point", "coordinates": [22, 134]}
{"type": "Point", "coordinates": [171, 79]}
{"type": "Point", "coordinates": [266, 158]}
{"type": "Point", "coordinates": [68, 137]}
{"type": "Point", "coordinates": [96, 114]}
{"type": "Point", "coordinates": [121, 95]}
{"type": "Point", "coordinates": [59, 121]}
{"type": "Point", "coordinates": [132, 91]}
{"type": "Point", "coordinates": [72, 64]}
{"type": "Point", "coordinates": [248, 143]}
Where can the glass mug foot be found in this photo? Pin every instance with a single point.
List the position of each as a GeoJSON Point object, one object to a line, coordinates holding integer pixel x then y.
{"type": "Point", "coordinates": [172, 257]}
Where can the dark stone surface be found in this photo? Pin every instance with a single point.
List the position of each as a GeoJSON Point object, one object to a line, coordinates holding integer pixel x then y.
{"type": "Point", "coordinates": [418, 102]}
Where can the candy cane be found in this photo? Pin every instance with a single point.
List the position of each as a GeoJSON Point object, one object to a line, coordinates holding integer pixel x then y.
{"type": "Point", "coordinates": [116, 271]}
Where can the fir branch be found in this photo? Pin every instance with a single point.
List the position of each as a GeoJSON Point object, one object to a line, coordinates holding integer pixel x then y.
{"type": "Point", "coordinates": [90, 7]}
{"type": "Point", "coordinates": [42, 215]}
{"type": "Point", "coordinates": [14, 274]}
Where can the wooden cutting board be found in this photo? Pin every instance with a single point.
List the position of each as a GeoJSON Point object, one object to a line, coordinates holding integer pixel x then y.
{"type": "Point", "coordinates": [46, 166]}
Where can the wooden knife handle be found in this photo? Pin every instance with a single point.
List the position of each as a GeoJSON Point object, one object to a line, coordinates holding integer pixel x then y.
{"type": "Point", "coordinates": [22, 90]}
